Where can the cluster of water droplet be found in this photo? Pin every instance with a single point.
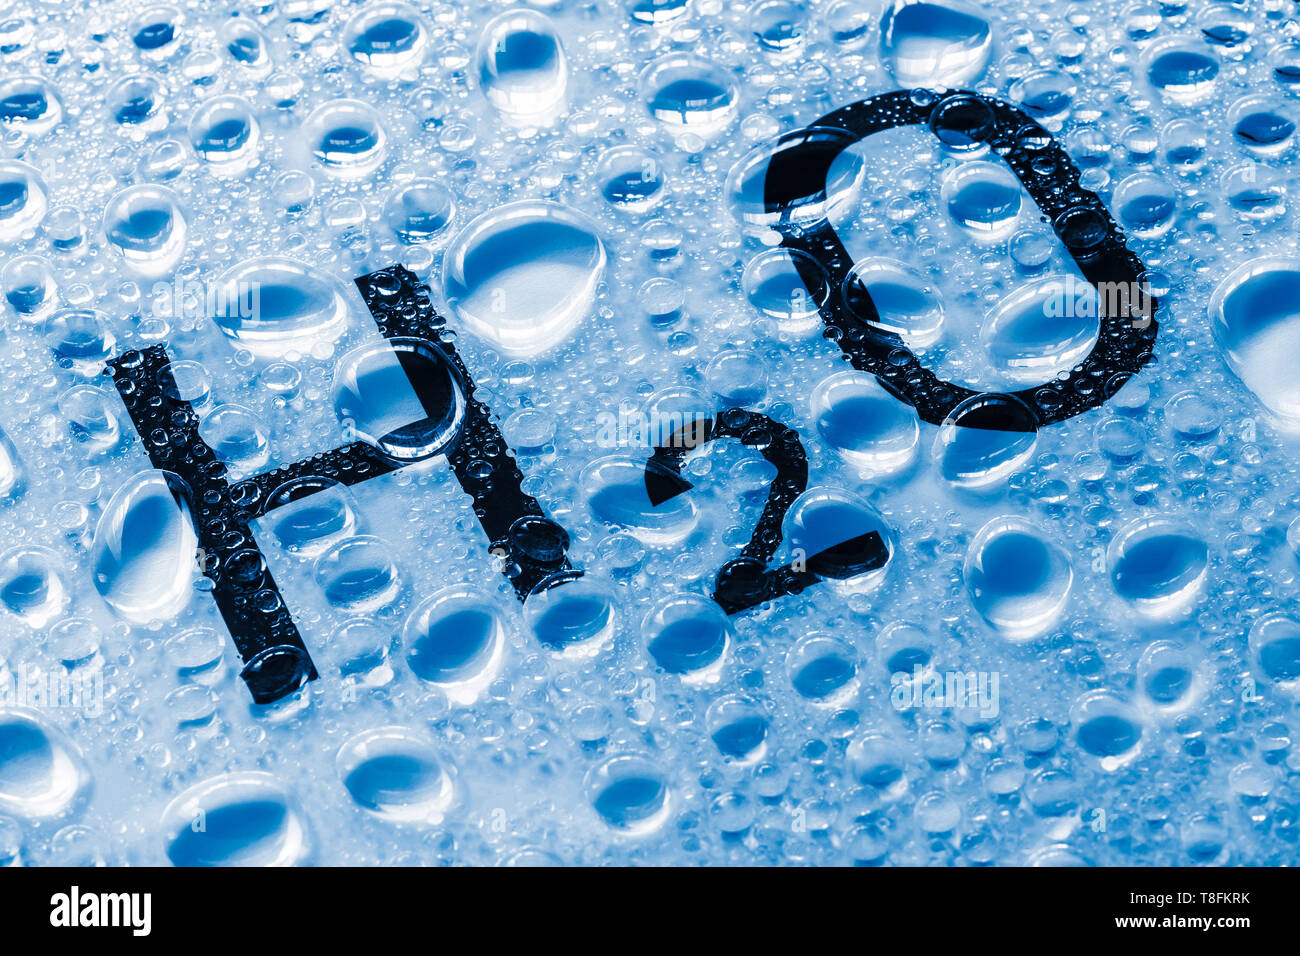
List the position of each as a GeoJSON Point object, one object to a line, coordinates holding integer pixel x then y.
{"type": "Point", "coordinates": [582, 186]}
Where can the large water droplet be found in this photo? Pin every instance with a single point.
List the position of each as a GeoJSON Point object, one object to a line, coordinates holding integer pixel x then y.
{"type": "Point", "coordinates": [864, 423]}
{"type": "Point", "coordinates": [41, 771]}
{"type": "Point", "coordinates": [23, 199]}
{"type": "Point", "coordinates": [80, 339]}
{"type": "Point", "coordinates": [309, 514]}
{"type": "Point", "coordinates": [803, 177]}
{"type": "Point", "coordinates": [143, 551]}
{"type": "Point", "coordinates": [249, 819]}
{"type": "Point", "coordinates": [738, 728]}
{"type": "Point", "coordinates": [823, 670]}
{"type": "Point", "coordinates": [571, 615]}
{"type": "Point", "coordinates": [1275, 645]}
{"type": "Point", "coordinates": [524, 275]}
{"type": "Point", "coordinates": [272, 305]}
{"type": "Point", "coordinates": [146, 224]}
{"type": "Point", "coordinates": [934, 44]}
{"type": "Point", "coordinates": [402, 396]}
{"type": "Point", "coordinates": [1044, 327]}
{"type": "Point", "coordinates": [386, 37]}
{"type": "Point", "coordinates": [30, 586]}
{"type": "Point", "coordinates": [983, 198]}
{"type": "Point", "coordinates": [616, 492]}
{"type": "Point", "coordinates": [393, 773]}
{"type": "Point", "coordinates": [902, 302]}
{"type": "Point", "coordinates": [689, 94]}
{"type": "Point", "coordinates": [225, 134]}
{"type": "Point", "coordinates": [688, 635]}
{"type": "Point", "coordinates": [1018, 580]}
{"type": "Point", "coordinates": [455, 640]}
{"type": "Point", "coordinates": [832, 532]}
{"type": "Point", "coordinates": [1255, 314]}
{"type": "Point", "coordinates": [420, 210]}
{"type": "Point", "coordinates": [1158, 566]}
{"type": "Point", "coordinates": [630, 794]}
{"type": "Point", "coordinates": [1106, 727]}
{"type": "Point", "coordinates": [984, 440]}
{"type": "Point", "coordinates": [522, 68]}
{"type": "Point", "coordinates": [358, 574]}
{"type": "Point", "coordinates": [346, 138]}
{"type": "Point", "coordinates": [11, 469]}
{"type": "Point", "coordinates": [29, 104]}
{"type": "Point", "coordinates": [1181, 70]}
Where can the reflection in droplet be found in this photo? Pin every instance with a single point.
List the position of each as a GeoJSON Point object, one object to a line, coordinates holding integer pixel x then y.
{"type": "Point", "coordinates": [386, 37]}
{"type": "Point", "coordinates": [864, 423]}
{"type": "Point", "coordinates": [688, 635]}
{"type": "Point", "coordinates": [23, 199]}
{"type": "Point", "coordinates": [346, 138]}
{"type": "Point", "coordinates": [984, 440]}
{"type": "Point", "coordinates": [271, 306]}
{"type": "Point", "coordinates": [630, 794]}
{"type": "Point", "coordinates": [689, 94]}
{"type": "Point", "coordinates": [901, 301]}
{"type": "Point", "coordinates": [30, 585]}
{"type": "Point", "coordinates": [615, 490]}
{"type": "Point", "coordinates": [225, 134]}
{"type": "Point", "coordinates": [1042, 328]}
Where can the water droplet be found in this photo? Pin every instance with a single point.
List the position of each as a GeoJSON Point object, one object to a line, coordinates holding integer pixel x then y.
{"type": "Point", "coordinates": [80, 339]}
{"type": "Point", "coordinates": [420, 211]}
{"type": "Point", "coordinates": [823, 670]}
{"type": "Point", "coordinates": [631, 179]}
{"type": "Point", "coordinates": [272, 306]}
{"type": "Point", "coordinates": [831, 531]}
{"type": "Point", "coordinates": [143, 551]}
{"type": "Point", "coordinates": [983, 198]}
{"type": "Point", "coordinates": [630, 794]}
{"type": "Point", "coordinates": [1145, 204]}
{"type": "Point", "coordinates": [522, 68]}
{"type": "Point", "coordinates": [225, 135]}
{"type": "Point", "coordinates": [1255, 315]}
{"type": "Point", "coordinates": [239, 438]}
{"type": "Point", "coordinates": [864, 423]}
{"type": "Point", "coordinates": [689, 94]}
{"type": "Point", "coordinates": [393, 773]}
{"type": "Point", "coordinates": [309, 514]}
{"type": "Point", "coordinates": [902, 302]}
{"type": "Point", "coordinates": [1019, 581]}
{"type": "Point", "coordinates": [1275, 645]}
{"type": "Point", "coordinates": [934, 44]}
{"type": "Point", "coordinates": [1168, 678]}
{"type": "Point", "coordinates": [41, 771]}
{"type": "Point", "coordinates": [29, 286]}
{"type": "Point", "coordinates": [235, 819]}
{"type": "Point", "coordinates": [1044, 327]}
{"type": "Point", "coordinates": [455, 640]}
{"type": "Point", "coordinates": [402, 396]}
{"type": "Point", "coordinates": [12, 480]}
{"type": "Point", "coordinates": [358, 574]}
{"type": "Point", "coordinates": [688, 635]}
{"type": "Point", "coordinates": [23, 199]}
{"type": "Point", "coordinates": [984, 440]}
{"type": "Point", "coordinates": [146, 224]}
{"type": "Point", "coordinates": [1106, 727]}
{"type": "Point", "coordinates": [738, 728]}
{"type": "Point", "coordinates": [1181, 71]}
{"type": "Point", "coordinates": [805, 176]}
{"type": "Point", "coordinates": [386, 37]}
{"type": "Point", "coordinates": [29, 104]}
{"type": "Point", "coordinates": [788, 285]}
{"type": "Point", "coordinates": [524, 275]}
{"type": "Point", "coordinates": [571, 615]}
{"type": "Point", "coordinates": [346, 138]}
{"type": "Point", "coordinates": [614, 488]}
{"type": "Point", "coordinates": [1158, 566]}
